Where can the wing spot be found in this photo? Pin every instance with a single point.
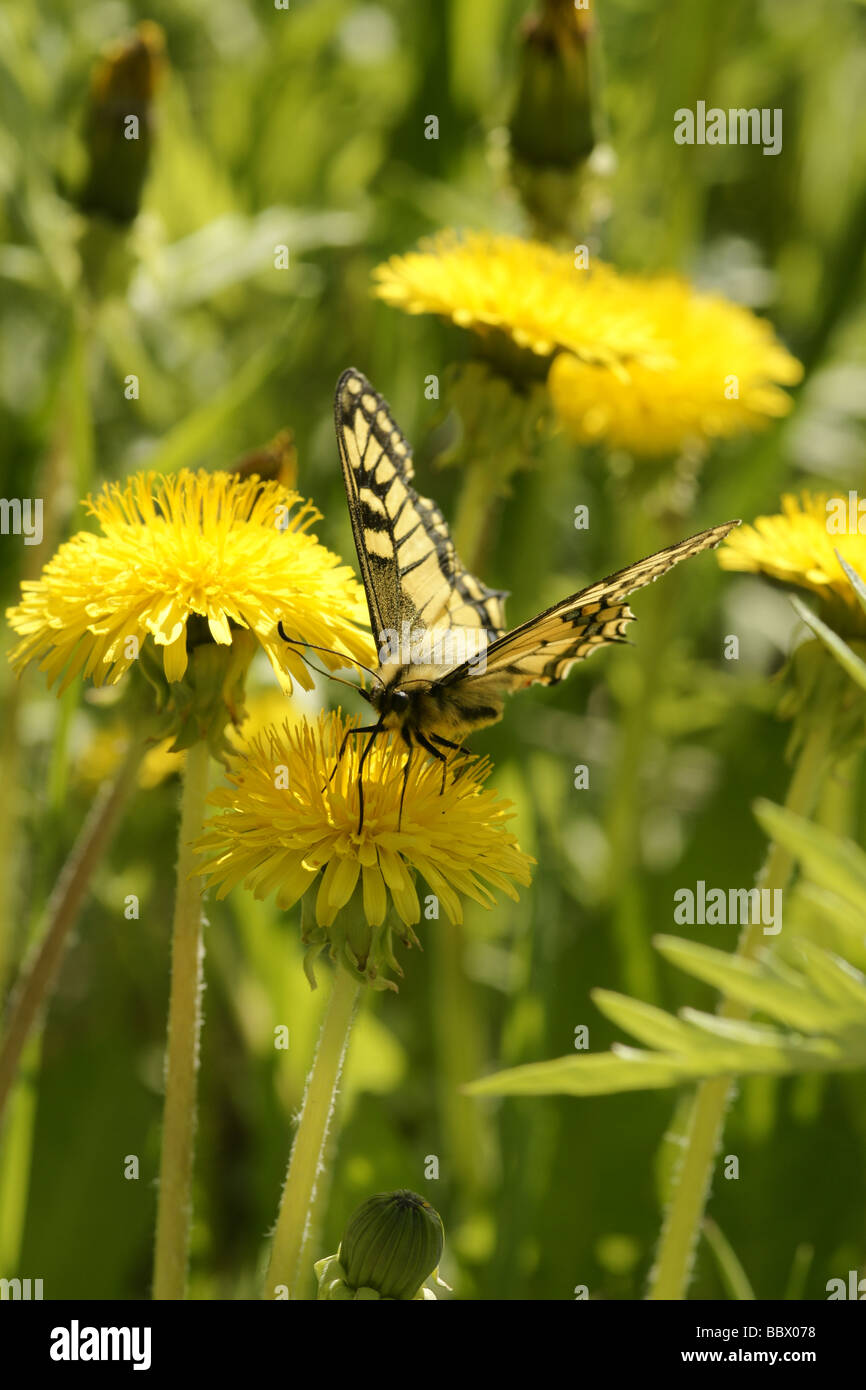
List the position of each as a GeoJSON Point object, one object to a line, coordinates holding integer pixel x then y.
{"type": "Point", "coordinates": [379, 543]}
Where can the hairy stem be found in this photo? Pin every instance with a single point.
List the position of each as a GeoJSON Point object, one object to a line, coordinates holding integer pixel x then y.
{"type": "Point", "coordinates": [174, 1207]}
{"type": "Point", "coordinates": [305, 1164]}
{"type": "Point", "coordinates": [40, 971]}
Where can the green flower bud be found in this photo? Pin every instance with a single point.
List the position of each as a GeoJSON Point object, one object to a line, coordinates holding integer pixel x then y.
{"type": "Point", "coordinates": [365, 951]}
{"type": "Point", "coordinates": [274, 462]}
{"type": "Point", "coordinates": [118, 126]}
{"type": "Point", "coordinates": [392, 1243]}
{"type": "Point", "coordinates": [555, 123]}
{"type": "Point", "coordinates": [333, 1285]}
{"type": "Point", "coordinates": [552, 123]}
{"type": "Point", "coordinates": [211, 695]}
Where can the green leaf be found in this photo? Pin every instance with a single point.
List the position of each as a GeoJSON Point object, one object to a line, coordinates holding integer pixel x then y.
{"type": "Point", "coordinates": [594, 1075]}
{"type": "Point", "coordinates": [644, 1021]}
{"type": "Point", "coordinates": [836, 978]}
{"type": "Point", "coordinates": [854, 580]}
{"type": "Point", "coordinates": [749, 982]}
{"type": "Point", "coordinates": [840, 917]}
{"type": "Point", "coordinates": [846, 658]}
{"type": "Point", "coordinates": [733, 1275]}
{"type": "Point", "coordinates": [831, 861]}
{"type": "Point", "coordinates": [815, 998]}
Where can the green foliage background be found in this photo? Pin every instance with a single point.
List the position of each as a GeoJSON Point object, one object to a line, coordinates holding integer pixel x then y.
{"type": "Point", "coordinates": [306, 127]}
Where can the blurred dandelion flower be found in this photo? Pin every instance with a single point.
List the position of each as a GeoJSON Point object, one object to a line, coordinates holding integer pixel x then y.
{"type": "Point", "coordinates": [526, 290]}
{"type": "Point", "coordinates": [642, 363]}
{"type": "Point", "coordinates": [721, 379]}
{"type": "Point", "coordinates": [172, 550]}
{"type": "Point", "coordinates": [291, 824]}
{"type": "Point", "coordinates": [806, 546]}
{"type": "Point", "coordinates": [99, 757]}
{"type": "Point", "coordinates": [797, 546]}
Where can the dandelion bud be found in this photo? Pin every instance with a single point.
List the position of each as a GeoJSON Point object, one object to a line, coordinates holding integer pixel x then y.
{"type": "Point", "coordinates": [274, 462]}
{"type": "Point", "coordinates": [552, 121]}
{"type": "Point", "coordinates": [392, 1243]}
{"type": "Point", "coordinates": [209, 699]}
{"type": "Point", "coordinates": [118, 126]}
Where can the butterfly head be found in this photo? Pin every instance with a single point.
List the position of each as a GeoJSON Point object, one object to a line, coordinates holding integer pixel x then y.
{"type": "Point", "coordinates": [391, 700]}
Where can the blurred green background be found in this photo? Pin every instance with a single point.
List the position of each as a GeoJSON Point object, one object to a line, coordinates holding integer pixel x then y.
{"type": "Point", "coordinates": [306, 127]}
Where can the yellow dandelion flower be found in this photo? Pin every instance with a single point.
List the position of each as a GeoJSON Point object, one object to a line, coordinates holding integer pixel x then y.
{"type": "Point", "coordinates": [290, 825]}
{"type": "Point", "coordinates": [720, 380]}
{"type": "Point", "coordinates": [638, 362]}
{"type": "Point", "coordinates": [524, 289]}
{"type": "Point", "coordinates": [208, 547]}
{"type": "Point", "coordinates": [798, 546]}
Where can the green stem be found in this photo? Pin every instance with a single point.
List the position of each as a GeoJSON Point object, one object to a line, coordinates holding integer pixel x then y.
{"type": "Point", "coordinates": [626, 801]}
{"type": "Point", "coordinates": [459, 1040]}
{"type": "Point", "coordinates": [40, 972]}
{"type": "Point", "coordinates": [10, 825]}
{"type": "Point", "coordinates": [174, 1207]}
{"type": "Point", "coordinates": [669, 1278]}
{"type": "Point", "coordinates": [472, 517]}
{"type": "Point", "coordinates": [308, 1149]}
{"type": "Point", "coordinates": [457, 1031]}
{"type": "Point", "coordinates": [626, 807]}
{"type": "Point", "coordinates": [16, 1154]}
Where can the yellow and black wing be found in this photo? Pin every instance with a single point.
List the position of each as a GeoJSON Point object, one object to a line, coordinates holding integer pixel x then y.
{"type": "Point", "coordinates": [409, 566]}
{"type": "Point", "coordinates": [545, 648]}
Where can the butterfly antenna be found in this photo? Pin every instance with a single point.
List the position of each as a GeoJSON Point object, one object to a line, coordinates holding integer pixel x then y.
{"type": "Point", "coordinates": [329, 675]}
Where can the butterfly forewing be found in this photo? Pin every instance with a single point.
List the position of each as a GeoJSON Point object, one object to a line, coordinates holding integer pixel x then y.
{"type": "Point", "coordinates": [411, 571]}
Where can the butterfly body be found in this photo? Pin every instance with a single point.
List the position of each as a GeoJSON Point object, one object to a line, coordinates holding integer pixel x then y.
{"type": "Point", "coordinates": [416, 699]}
{"type": "Point", "coordinates": [446, 660]}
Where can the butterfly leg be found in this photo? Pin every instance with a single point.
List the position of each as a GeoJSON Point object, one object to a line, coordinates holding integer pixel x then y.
{"type": "Point", "coordinates": [440, 757]}
{"type": "Point", "coordinates": [458, 747]}
{"type": "Point", "coordinates": [372, 730]}
{"type": "Point", "coordinates": [364, 729]}
{"type": "Point", "coordinates": [407, 739]}
{"type": "Point", "coordinates": [446, 743]}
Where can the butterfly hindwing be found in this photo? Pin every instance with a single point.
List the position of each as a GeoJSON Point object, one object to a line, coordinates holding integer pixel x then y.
{"type": "Point", "coordinates": [544, 649]}
{"type": "Point", "coordinates": [409, 566]}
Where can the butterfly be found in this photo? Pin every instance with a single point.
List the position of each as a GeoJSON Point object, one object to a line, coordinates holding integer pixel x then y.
{"type": "Point", "coordinates": [446, 660]}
